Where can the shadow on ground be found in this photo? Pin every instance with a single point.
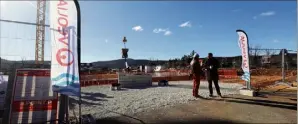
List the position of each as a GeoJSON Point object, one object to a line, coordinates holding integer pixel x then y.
{"type": "Point", "coordinates": [281, 94]}
{"type": "Point", "coordinates": [269, 103]}
{"type": "Point", "coordinates": [86, 97]}
{"type": "Point", "coordinates": [201, 87]}
{"type": "Point", "coordinates": [194, 121]}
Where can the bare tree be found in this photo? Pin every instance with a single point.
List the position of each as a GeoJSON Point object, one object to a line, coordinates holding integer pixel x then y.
{"type": "Point", "coordinates": [257, 50]}
{"type": "Point", "coordinates": [23, 59]}
{"type": "Point", "coordinates": [269, 52]}
{"type": "Point", "coordinates": [254, 53]}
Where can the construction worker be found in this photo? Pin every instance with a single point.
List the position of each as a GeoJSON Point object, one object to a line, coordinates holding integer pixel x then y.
{"type": "Point", "coordinates": [195, 73]}
{"type": "Point", "coordinates": [211, 67]}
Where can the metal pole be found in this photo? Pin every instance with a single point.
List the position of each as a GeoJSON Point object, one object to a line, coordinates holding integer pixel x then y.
{"type": "Point", "coordinates": [248, 84]}
{"type": "Point", "coordinates": [62, 108]}
{"type": "Point", "coordinates": [67, 109]}
{"type": "Point", "coordinates": [79, 53]}
{"type": "Point", "coordinates": [283, 65]}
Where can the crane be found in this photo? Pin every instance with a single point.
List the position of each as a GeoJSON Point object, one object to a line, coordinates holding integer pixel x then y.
{"type": "Point", "coordinates": [40, 32]}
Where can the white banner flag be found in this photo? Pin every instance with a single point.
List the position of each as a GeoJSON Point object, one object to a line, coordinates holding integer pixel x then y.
{"type": "Point", "coordinates": [243, 44]}
{"type": "Point", "coordinates": [65, 64]}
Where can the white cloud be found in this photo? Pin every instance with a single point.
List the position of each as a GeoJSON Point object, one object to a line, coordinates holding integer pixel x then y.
{"type": "Point", "coordinates": [106, 40]}
{"type": "Point", "coordinates": [275, 41]}
{"type": "Point", "coordinates": [137, 28]}
{"type": "Point", "coordinates": [268, 13]}
{"type": "Point", "coordinates": [263, 14]}
{"type": "Point", "coordinates": [185, 24]}
{"type": "Point", "coordinates": [168, 33]}
{"type": "Point", "coordinates": [161, 30]}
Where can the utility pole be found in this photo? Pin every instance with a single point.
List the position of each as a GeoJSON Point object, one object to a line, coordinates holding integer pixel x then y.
{"type": "Point", "coordinates": [283, 65]}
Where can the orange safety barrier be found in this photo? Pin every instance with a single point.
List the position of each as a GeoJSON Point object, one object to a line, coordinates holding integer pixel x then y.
{"type": "Point", "coordinates": [173, 75]}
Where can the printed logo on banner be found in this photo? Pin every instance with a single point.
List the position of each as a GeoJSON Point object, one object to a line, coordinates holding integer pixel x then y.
{"type": "Point", "coordinates": [64, 68]}
{"type": "Point", "coordinates": [243, 44]}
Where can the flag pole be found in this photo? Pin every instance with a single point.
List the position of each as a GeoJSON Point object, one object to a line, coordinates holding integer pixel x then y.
{"type": "Point", "coordinates": [248, 82]}
{"type": "Point", "coordinates": [79, 54]}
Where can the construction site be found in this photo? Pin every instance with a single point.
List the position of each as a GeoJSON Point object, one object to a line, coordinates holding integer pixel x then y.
{"type": "Point", "coordinates": [128, 90]}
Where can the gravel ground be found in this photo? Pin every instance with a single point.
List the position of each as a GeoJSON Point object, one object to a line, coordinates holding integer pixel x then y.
{"type": "Point", "coordinates": [101, 102]}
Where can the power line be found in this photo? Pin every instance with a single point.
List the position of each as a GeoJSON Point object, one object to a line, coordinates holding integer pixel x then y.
{"type": "Point", "coordinates": [33, 39]}
{"type": "Point", "coordinates": [25, 23]}
{"type": "Point", "coordinates": [269, 49]}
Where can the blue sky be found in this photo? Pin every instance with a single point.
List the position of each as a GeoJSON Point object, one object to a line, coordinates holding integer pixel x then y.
{"type": "Point", "coordinates": [159, 30]}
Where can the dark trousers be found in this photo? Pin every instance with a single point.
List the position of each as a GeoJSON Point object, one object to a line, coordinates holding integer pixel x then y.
{"type": "Point", "coordinates": [216, 87]}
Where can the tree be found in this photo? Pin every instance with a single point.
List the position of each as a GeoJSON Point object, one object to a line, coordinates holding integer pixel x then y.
{"type": "Point", "coordinates": [23, 59]}
{"type": "Point", "coordinates": [270, 52]}
{"type": "Point", "coordinates": [151, 62]}
{"type": "Point", "coordinates": [254, 53]}
{"type": "Point", "coordinates": [223, 62]}
{"type": "Point", "coordinates": [170, 63]}
{"type": "Point", "coordinates": [192, 53]}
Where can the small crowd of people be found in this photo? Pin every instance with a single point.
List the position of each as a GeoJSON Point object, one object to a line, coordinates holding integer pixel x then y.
{"type": "Point", "coordinates": [210, 69]}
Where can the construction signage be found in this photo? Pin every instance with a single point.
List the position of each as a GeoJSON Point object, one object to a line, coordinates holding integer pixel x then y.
{"type": "Point", "coordinates": [33, 100]}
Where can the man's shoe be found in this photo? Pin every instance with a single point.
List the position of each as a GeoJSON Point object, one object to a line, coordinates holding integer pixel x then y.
{"type": "Point", "coordinates": [210, 95]}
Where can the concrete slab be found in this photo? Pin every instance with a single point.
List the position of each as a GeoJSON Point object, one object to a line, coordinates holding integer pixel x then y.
{"type": "Point", "coordinates": [247, 92]}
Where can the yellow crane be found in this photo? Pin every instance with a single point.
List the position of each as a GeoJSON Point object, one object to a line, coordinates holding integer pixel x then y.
{"type": "Point", "coordinates": [40, 32]}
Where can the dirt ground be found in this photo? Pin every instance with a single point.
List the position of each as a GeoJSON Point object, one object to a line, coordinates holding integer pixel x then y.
{"type": "Point", "coordinates": [263, 81]}
{"type": "Point", "coordinates": [273, 105]}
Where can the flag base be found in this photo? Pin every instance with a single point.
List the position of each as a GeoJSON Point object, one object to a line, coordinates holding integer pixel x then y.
{"type": "Point", "coordinates": [247, 92]}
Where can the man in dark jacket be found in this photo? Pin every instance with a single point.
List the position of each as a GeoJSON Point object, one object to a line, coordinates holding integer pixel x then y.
{"type": "Point", "coordinates": [211, 67]}
{"type": "Point", "coordinates": [196, 73]}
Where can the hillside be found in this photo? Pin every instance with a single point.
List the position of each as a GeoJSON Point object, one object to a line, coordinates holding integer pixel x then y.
{"type": "Point", "coordinates": [6, 64]}
{"type": "Point", "coordinates": [120, 63]}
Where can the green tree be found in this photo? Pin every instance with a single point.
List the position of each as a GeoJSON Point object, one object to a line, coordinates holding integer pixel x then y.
{"type": "Point", "coordinates": [192, 53]}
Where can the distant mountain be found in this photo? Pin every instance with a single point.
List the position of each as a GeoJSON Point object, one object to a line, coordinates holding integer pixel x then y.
{"type": "Point", "coordinates": [6, 64]}
{"type": "Point", "coordinates": [120, 63]}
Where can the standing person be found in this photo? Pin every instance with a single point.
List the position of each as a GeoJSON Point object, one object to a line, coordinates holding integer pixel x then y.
{"type": "Point", "coordinates": [211, 67]}
{"type": "Point", "coordinates": [196, 73]}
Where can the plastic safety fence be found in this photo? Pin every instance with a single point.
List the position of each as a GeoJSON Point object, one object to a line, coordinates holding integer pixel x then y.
{"type": "Point", "coordinates": [227, 73]}
{"type": "Point", "coordinates": [183, 75]}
